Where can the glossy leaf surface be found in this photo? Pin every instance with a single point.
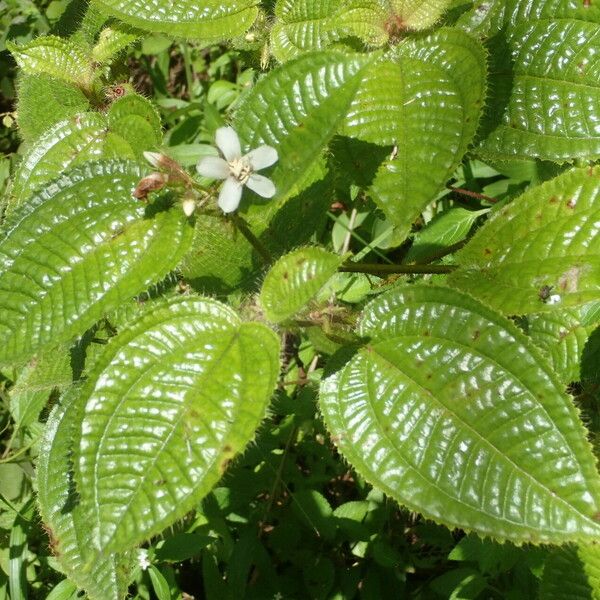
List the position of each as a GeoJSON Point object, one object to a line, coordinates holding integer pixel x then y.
{"type": "Point", "coordinates": [452, 411]}
{"type": "Point", "coordinates": [79, 139]}
{"type": "Point", "coordinates": [77, 250]}
{"type": "Point", "coordinates": [425, 102]}
{"type": "Point", "coordinates": [540, 252]}
{"type": "Point", "coordinates": [171, 401]}
{"type": "Point", "coordinates": [416, 14]}
{"type": "Point", "coordinates": [444, 230]}
{"type": "Point", "coordinates": [307, 25]}
{"type": "Point", "coordinates": [53, 56]}
{"type": "Point", "coordinates": [209, 20]}
{"type": "Point", "coordinates": [294, 280]}
{"type": "Point", "coordinates": [546, 92]}
{"type": "Point", "coordinates": [102, 576]}
{"type": "Point", "coordinates": [562, 334]}
{"type": "Point", "coordinates": [296, 108]}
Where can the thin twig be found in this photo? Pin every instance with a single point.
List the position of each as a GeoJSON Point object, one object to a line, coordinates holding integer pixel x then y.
{"type": "Point", "coordinates": [378, 269]}
{"type": "Point", "coordinates": [472, 194]}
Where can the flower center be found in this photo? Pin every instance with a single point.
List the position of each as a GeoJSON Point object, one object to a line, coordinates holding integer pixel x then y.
{"type": "Point", "coordinates": [240, 169]}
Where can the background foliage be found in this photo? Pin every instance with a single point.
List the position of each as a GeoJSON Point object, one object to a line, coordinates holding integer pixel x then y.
{"type": "Point", "coordinates": [382, 383]}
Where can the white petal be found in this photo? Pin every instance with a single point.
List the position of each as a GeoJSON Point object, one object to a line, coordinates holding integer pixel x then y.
{"type": "Point", "coordinates": [230, 195]}
{"type": "Point", "coordinates": [261, 185]}
{"type": "Point", "coordinates": [153, 158]}
{"type": "Point", "coordinates": [228, 143]}
{"type": "Point", "coordinates": [189, 206]}
{"type": "Point", "coordinates": [262, 157]}
{"type": "Point", "coordinates": [213, 167]}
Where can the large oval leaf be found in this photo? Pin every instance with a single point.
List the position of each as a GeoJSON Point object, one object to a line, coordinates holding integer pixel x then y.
{"type": "Point", "coordinates": [210, 20]}
{"type": "Point", "coordinates": [297, 108]}
{"type": "Point", "coordinates": [545, 97]}
{"type": "Point", "coordinates": [102, 576]}
{"type": "Point", "coordinates": [427, 103]}
{"type": "Point", "coordinates": [166, 407]}
{"type": "Point", "coordinates": [452, 411]}
{"type": "Point", "coordinates": [295, 279]}
{"type": "Point", "coordinates": [540, 252]}
{"type": "Point", "coordinates": [77, 250]}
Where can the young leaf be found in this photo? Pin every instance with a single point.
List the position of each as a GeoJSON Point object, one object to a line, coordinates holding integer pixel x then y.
{"type": "Point", "coordinates": [296, 108]}
{"type": "Point", "coordinates": [102, 576]}
{"type": "Point", "coordinates": [174, 397]}
{"type": "Point", "coordinates": [416, 14]}
{"type": "Point", "coordinates": [294, 279]}
{"type": "Point", "coordinates": [305, 25]}
{"type": "Point", "coordinates": [545, 96]}
{"type": "Point", "coordinates": [54, 56]}
{"type": "Point", "coordinates": [43, 101]}
{"type": "Point", "coordinates": [111, 41]}
{"type": "Point", "coordinates": [426, 102]}
{"type": "Point", "coordinates": [450, 410]}
{"type": "Point", "coordinates": [540, 252]}
{"type": "Point", "coordinates": [78, 249]}
{"type": "Point", "coordinates": [210, 20]}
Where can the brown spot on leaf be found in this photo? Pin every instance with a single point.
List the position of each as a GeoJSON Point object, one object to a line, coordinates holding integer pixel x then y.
{"type": "Point", "coordinates": [587, 3]}
{"type": "Point", "coordinates": [553, 200]}
{"type": "Point", "coordinates": [475, 335]}
{"type": "Point", "coordinates": [596, 517]}
{"type": "Point", "coordinates": [426, 333]}
{"type": "Point", "coordinates": [569, 280]}
{"type": "Point", "coordinates": [286, 275]}
{"type": "Point", "coordinates": [571, 203]}
{"type": "Point", "coordinates": [487, 251]}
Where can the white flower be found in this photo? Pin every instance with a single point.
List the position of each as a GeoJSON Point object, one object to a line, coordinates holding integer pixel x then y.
{"type": "Point", "coordinates": [238, 170]}
{"type": "Point", "coordinates": [142, 557]}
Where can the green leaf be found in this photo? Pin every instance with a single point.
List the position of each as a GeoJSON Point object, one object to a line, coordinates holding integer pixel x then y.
{"type": "Point", "coordinates": [111, 41]}
{"type": "Point", "coordinates": [540, 252]}
{"type": "Point", "coordinates": [294, 280]}
{"type": "Point", "coordinates": [45, 373]}
{"type": "Point", "coordinates": [137, 120]}
{"type": "Point", "coordinates": [174, 397]}
{"type": "Point", "coordinates": [210, 20]}
{"type": "Point", "coordinates": [77, 250]}
{"type": "Point", "coordinates": [307, 25]}
{"type": "Point", "coordinates": [54, 56]}
{"type": "Point", "coordinates": [417, 14]}
{"type": "Point", "coordinates": [544, 96]}
{"type": "Point", "coordinates": [488, 18]}
{"type": "Point", "coordinates": [426, 102]}
{"type": "Point", "coordinates": [444, 230]}
{"type": "Point", "coordinates": [82, 138]}
{"type": "Point", "coordinates": [562, 336]}
{"type": "Point", "coordinates": [44, 101]}
{"type": "Point", "coordinates": [296, 108]}
{"type": "Point", "coordinates": [452, 411]}
{"type": "Point", "coordinates": [159, 584]}
{"type": "Point", "coordinates": [102, 576]}
{"type": "Point", "coordinates": [572, 573]}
